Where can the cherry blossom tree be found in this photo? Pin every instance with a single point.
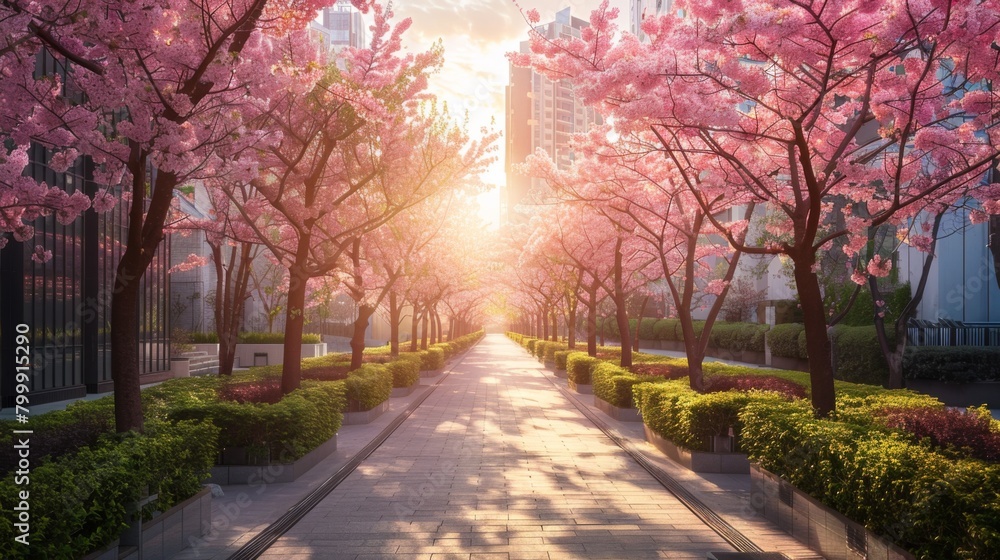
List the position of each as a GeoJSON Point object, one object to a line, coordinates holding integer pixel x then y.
{"type": "Point", "coordinates": [355, 149]}
{"type": "Point", "coordinates": [156, 96]}
{"type": "Point", "coordinates": [799, 105]}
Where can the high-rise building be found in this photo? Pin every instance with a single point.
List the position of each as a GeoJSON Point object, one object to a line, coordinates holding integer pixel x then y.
{"type": "Point", "coordinates": [640, 9]}
{"type": "Point", "coordinates": [542, 114]}
{"type": "Point", "coordinates": [342, 26]}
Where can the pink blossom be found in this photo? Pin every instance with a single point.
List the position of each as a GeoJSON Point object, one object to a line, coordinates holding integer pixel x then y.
{"type": "Point", "coordinates": [103, 202]}
{"type": "Point", "coordinates": [193, 261]}
{"type": "Point", "coordinates": [978, 217]}
{"type": "Point", "coordinates": [879, 267]}
{"type": "Point", "coordinates": [40, 254]}
{"type": "Point", "coordinates": [716, 286]}
{"type": "Point", "coordinates": [921, 243]}
{"type": "Point", "coordinates": [859, 278]}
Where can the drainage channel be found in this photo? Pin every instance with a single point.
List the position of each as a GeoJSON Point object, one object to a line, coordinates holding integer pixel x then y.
{"type": "Point", "coordinates": [730, 534]}
{"type": "Point", "coordinates": [263, 540]}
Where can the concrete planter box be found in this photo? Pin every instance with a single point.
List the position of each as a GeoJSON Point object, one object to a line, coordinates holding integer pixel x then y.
{"type": "Point", "coordinates": [959, 394]}
{"type": "Point", "coordinates": [211, 349]}
{"type": "Point", "coordinates": [581, 388]}
{"type": "Point", "coordinates": [248, 355]}
{"type": "Point", "coordinates": [180, 367]}
{"type": "Point", "coordinates": [166, 534]}
{"type": "Point", "coordinates": [822, 529]}
{"type": "Point", "coordinates": [428, 373]}
{"type": "Point", "coordinates": [276, 472]}
{"type": "Point", "coordinates": [561, 374]}
{"type": "Point", "coordinates": [620, 414]}
{"type": "Point", "coordinates": [794, 364]}
{"type": "Point", "coordinates": [550, 364]}
{"type": "Point", "coordinates": [399, 392]}
{"type": "Point", "coordinates": [699, 461]}
{"type": "Point", "coordinates": [173, 531]}
{"type": "Point", "coordinates": [365, 416]}
{"type": "Point", "coordinates": [747, 356]}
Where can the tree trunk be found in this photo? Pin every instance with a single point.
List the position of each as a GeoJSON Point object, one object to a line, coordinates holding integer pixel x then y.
{"type": "Point", "coordinates": [232, 286]}
{"type": "Point", "coordinates": [555, 324]}
{"type": "Point", "coordinates": [571, 327]}
{"type": "Point", "coordinates": [125, 366]}
{"type": "Point", "coordinates": [434, 327]}
{"type": "Point", "coordinates": [423, 328]}
{"type": "Point", "coordinates": [621, 314]}
{"type": "Point", "coordinates": [414, 323]}
{"type": "Point", "coordinates": [291, 369]}
{"type": "Point", "coordinates": [394, 312]}
{"type": "Point", "coordinates": [358, 340]}
{"type": "Point", "coordinates": [817, 340]}
{"type": "Point", "coordinates": [592, 321]}
{"type": "Point", "coordinates": [440, 331]}
{"type": "Point", "coordinates": [638, 323]}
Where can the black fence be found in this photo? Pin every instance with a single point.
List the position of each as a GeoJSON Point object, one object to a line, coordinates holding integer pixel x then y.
{"type": "Point", "coordinates": [952, 333]}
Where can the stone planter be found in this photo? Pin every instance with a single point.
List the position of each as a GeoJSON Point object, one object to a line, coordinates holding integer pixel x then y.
{"type": "Point", "coordinates": [365, 416]}
{"type": "Point", "coordinates": [793, 364]}
{"type": "Point", "coordinates": [175, 529]}
{"type": "Point", "coordinates": [959, 394]}
{"type": "Point", "coordinates": [248, 355]}
{"type": "Point", "coordinates": [428, 373]}
{"type": "Point", "coordinates": [620, 414]}
{"type": "Point", "coordinates": [561, 374]}
{"type": "Point", "coordinates": [276, 472]}
{"type": "Point", "coordinates": [822, 529]}
{"type": "Point", "coordinates": [211, 349]}
{"type": "Point", "coordinates": [699, 461]}
{"type": "Point", "coordinates": [180, 367]}
{"type": "Point", "coordinates": [399, 392]}
{"type": "Point", "coordinates": [581, 388]}
{"type": "Point", "coordinates": [550, 364]}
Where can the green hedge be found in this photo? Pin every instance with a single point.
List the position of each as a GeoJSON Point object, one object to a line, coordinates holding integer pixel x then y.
{"type": "Point", "coordinates": [79, 501]}
{"type": "Point", "coordinates": [432, 359]}
{"type": "Point", "coordinates": [738, 336]}
{"type": "Point", "coordinates": [954, 364]}
{"type": "Point", "coordinates": [560, 358]}
{"type": "Point", "coordinates": [784, 340]}
{"type": "Point", "coordinates": [647, 328]}
{"type": "Point", "coordinates": [859, 356]}
{"type": "Point", "coordinates": [614, 385]}
{"type": "Point", "coordinates": [367, 387]}
{"type": "Point", "coordinates": [676, 412]}
{"type": "Point", "coordinates": [666, 329]}
{"type": "Point", "coordinates": [405, 371]}
{"type": "Point", "coordinates": [579, 366]}
{"type": "Point", "coordinates": [279, 432]}
{"type": "Point", "coordinates": [935, 507]}
{"type": "Point", "coordinates": [275, 338]}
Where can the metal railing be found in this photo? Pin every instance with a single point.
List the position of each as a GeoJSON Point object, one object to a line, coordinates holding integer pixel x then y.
{"type": "Point", "coordinates": [952, 333]}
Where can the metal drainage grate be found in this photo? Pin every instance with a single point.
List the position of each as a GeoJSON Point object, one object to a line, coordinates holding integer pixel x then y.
{"type": "Point", "coordinates": [746, 556]}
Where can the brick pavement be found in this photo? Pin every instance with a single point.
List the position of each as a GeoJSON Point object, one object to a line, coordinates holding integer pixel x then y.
{"type": "Point", "coordinates": [496, 463]}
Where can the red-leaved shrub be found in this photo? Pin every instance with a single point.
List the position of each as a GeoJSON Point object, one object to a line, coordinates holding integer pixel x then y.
{"type": "Point", "coordinates": [327, 373]}
{"type": "Point", "coordinates": [668, 371]}
{"type": "Point", "coordinates": [788, 389]}
{"type": "Point", "coordinates": [969, 433]}
{"type": "Point", "coordinates": [266, 392]}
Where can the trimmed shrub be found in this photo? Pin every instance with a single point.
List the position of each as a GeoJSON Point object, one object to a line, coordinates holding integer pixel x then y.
{"type": "Point", "coordinates": [738, 336]}
{"type": "Point", "coordinates": [578, 367]}
{"type": "Point", "coordinates": [560, 358]}
{"type": "Point", "coordinates": [58, 433]}
{"type": "Point", "coordinates": [971, 433]}
{"type": "Point", "coordinates": [368, 386]}
{"type": "Point", "coordinates": [530, 346]}
{"type": "Point", "coordinates": [646, 328]}
{"type": "Point", "coordinates": [859, 356]}
{"type": "Point", "coordinates": [666, 329]}
{"type": "Point", "coordinates": [696, 326]}
{"type": "Point", "coordinates": [274, 338]}
{"type": "Point", "coordinates": [784, 340]}
{"type": "Point", "coordinates": [432, 359]}
{"type": "Point", "coordinates": [551, 348]}
{"type": "Point", "coordinates": [265, 391]}
{"type": "Point", "coordinates": [668, 370]}
{"type": "Point", "coordinates": [80, 501]}
{"type": "Point", "coordinates": [784, 387]}
{"type": "Point", "coordinates": [204, 337]}
{"type": "Point", "coordinates": [613, 384]}
{"type": "Point", "coordinates": [934, 507]}
{"type": "Point", "coordinates": [952, 364]}
{"type": "Point", "coordinates": [405, 371]}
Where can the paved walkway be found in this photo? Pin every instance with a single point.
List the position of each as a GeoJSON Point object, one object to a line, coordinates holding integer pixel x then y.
{"type": "Point", "coordinates": [497, 463]}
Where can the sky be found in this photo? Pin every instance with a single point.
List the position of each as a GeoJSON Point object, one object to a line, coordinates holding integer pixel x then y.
{"type": "Point", "coordinates": [476, 35]}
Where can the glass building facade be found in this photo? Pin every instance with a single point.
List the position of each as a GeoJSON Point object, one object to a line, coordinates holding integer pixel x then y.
{"type": "Point", "coordinates": [66, 302]}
